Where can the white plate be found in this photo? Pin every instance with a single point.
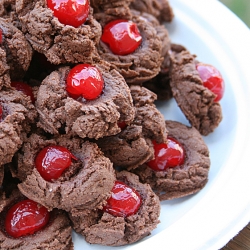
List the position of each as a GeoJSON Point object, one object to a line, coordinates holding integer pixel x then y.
{"type": "Point", "coordinates": [209, 219]}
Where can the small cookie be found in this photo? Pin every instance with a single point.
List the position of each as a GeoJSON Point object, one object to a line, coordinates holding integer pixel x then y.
{"type": "Point", "coordinates": [186, 179]}
{"type": "Point", "coordinates": [103, 228]}
{"type": "Point", "coordinates": [60, 43]}
{"type": "Point", "coordinates": [55, 235]}
{"type": "Point", "coordinates": [87, 118]}
{"type": "Point", "coordinates": [86, 183]}
{"type": "Point", "coordinates": [195, 101]}
{"type": "Point", "coordinates": [145, 62]}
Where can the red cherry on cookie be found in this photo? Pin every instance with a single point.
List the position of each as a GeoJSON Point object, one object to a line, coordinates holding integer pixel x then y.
{"type": "Point", "coordinates": [124, 201]}
{"type": "Point", "coordinates": [170, 154]}
{"type": "Point", "coordinates": [84, 80]}
{"type": "Point", "coordinates": [211, 79]}
{"type": "Point", "coordinates": [122, 125]}
{"type": "Point", "coordinates": [25, 217]}
{"type": "Point", "coordinates": [52, 160]}
{"type": "Point", "coordinates": [70, 12]}
{"type": "Point", "coordinates": [122, 37]}
{"type": "Point", "coordinates": [24, 88]}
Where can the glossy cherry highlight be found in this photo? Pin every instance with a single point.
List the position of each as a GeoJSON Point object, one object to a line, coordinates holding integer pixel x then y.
{"type": "Point", "coordinates": [25, 218]}
{"type": "Point", "coordinates": [124, 201]}
{"type": "Point", "coordinates": [84, 80]}
{"type": "Point", "coordinates": [70, 12]}
{"type": "Point", "coordinates": [212, 79]}
{"type": "Point", "coordinates": [170, 154]}
{"type": "Point", "coordinates": [52, 160]}
{"type": "Point", "coordinates": [24, 88]}
{"type": "Point", "coordinates": [122, 36]}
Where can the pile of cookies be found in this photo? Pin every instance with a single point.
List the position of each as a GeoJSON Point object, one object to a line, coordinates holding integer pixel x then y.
{"type": "Point", "coordinates": [82, 144]}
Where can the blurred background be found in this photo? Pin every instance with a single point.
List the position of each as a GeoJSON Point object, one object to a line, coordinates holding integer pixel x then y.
{"type": "Point", "coordinates": [241, 8]}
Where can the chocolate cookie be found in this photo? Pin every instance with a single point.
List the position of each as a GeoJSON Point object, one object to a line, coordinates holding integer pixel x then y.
{"type": "Point", "coordinates": [103, 228]}
{"type": "Point", "coordinates": [86, 183]}
{"type": "Point", "coordinates": [58, 42]}
{"type": "Point", "coordinates": [86, 118]}
{"type": "Point", "coordinates": [18, 113]}
{"type": "Point", "coordinates": [55, 235]}
{"type": "Point", "coordinates": [18, 50]}
{"type": "Point", "coordinates": [161, 9]}
{"type": "Point", "coordinates": [145, 62]}
{"type": "Point", "coordinates": [186, 179]}
{"type": "Point", "coordinates": [133, 146]}
{"type": "Point", "coordinates": [195, 100]}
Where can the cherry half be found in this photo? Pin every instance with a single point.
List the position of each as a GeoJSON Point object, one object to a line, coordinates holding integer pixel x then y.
{"type": "Point", "coordinates": [25, 218]}
{"type": "Point", "coordinates": [24, 88]}
{"type": "Point", "coordinates": [212, 79]}
{"type": "Point", "coordinates": [122, 36]}
{"type": "Point", "coordinates": [70, 12]}
{"type": "Point", "coordinates": [84, 80]}
{"type": "Point", "coordinates": [52, 160]}
{"type": "Point", "coordinates": [124, 201]}
{"type": "Point", "coordinates": [170, 154]}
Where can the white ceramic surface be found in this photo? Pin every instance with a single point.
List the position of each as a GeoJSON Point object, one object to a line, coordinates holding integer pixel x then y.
{"type": "Point", "coordinates": [209, 219]}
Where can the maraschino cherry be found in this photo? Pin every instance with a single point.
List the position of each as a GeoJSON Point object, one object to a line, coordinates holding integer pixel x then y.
{"type": "Point", "coordinates": [24, 88]}
{"type": "Point", "coordinates": [122, 125]}
{"type": "Point", "coordinates": [25, 218]}
{"type": "Point", "coordinates": [212, 79]}
{"type": "Point", "coordinates": [70, 12]}
{"type": "Point", "coordinates": [124, 201]}
{"type": "Point", "coordinates": [170, 154]}
{"type": "Point", "coordinates": [122, 36]}
{"type": "Point", "coordinates": [84, 80]}
{"type": "Point", "coordinates": [52, 160]}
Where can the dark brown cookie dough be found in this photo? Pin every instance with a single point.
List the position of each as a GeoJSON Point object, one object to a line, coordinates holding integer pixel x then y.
{"type": "Point", "coordinates": [160, 84]}
{"type": "Point", "coordinates": [8, 12]}
{"type": "Point", "coordinates": [58, 42]}
{"type": "Point", "coordinates": [87, 183]}
{"type": "Point", "coordinates": [145, 62]}
{"type": "Point", "coordinates": [4, 70]}
{"type": "Point", "coordinates": [105, 229]}
{"type": "Point", "coordinates": [147, 115]}
{"type": "Point", "coordinates": [18, 50]}
{"type": "Point", "coordinates": [133, 146]}
{"type": "Point", "coordinates": [109, 10]}
{"type": "Point", "coordinates": [186, 179]}
{"type": "Point", "coordinates": [128, 149]}
{"type": "Point", "coordinates": [56, 235]}
{"type": "Point", "coordinates": [161, 9]}
{"type": "Point", "coordinates": [195, 100]}
{"type": "Point", "coordinates": [18, 114]}
{"type": "Point", "coordinates": [92, 119]}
